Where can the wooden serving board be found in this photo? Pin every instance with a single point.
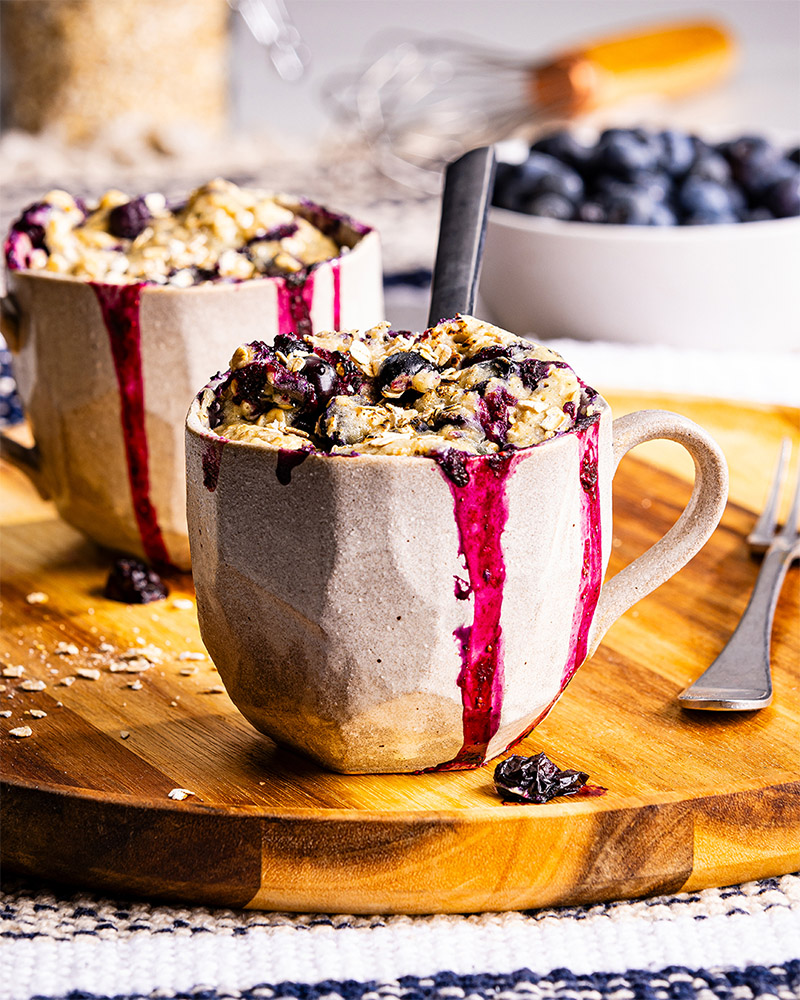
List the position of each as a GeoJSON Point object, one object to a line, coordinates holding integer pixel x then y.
{"type": "Point", "coordinates": [694, 799]}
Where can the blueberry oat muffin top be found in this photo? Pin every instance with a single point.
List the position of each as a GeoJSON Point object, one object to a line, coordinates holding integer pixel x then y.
{"type": "Point", "coordinates": [463, 384]}
{"type": "Point", "coordinates": [221, 232]}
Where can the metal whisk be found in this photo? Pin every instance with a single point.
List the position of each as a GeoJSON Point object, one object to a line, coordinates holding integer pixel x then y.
{"type": "Point", "coordinates": [425, 101]}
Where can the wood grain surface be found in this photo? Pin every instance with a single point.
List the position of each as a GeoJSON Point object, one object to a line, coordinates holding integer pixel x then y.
{"type": "Point", "coordinates": [694, 799]}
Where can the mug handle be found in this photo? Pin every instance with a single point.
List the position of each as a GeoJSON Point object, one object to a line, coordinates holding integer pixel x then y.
{"type": "Point", "coordinates": [22, 456]}
{"type": "Point", "coordinates": [9, 321]}
{"type": "Point", "coordinates": [689, 533]}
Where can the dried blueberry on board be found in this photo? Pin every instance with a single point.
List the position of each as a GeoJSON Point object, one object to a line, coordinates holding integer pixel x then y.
{"type": "Point", "coordinates": [537, 779]}
{"type": "Point", "coordinates": [133, 582]}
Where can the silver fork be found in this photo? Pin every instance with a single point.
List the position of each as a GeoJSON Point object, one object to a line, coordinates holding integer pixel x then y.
{"type": "Point", "coordinates": [740, 677]}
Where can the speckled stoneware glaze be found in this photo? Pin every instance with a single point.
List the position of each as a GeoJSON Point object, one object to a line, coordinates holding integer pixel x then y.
{"type": "Point", "coordinates": [106, 373]}
{"type": "Point", "coordinates": [372, 614]}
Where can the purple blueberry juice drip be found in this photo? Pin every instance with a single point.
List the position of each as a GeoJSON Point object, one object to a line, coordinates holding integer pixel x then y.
{"type": "Point", "coordinates": [337, 294]}
{"type": "Point", "coordinates": [212, 458]}
{"type": "Point", "coordinates": [481, 512]}
{"type": "Point", "coordinates": [295, 295]}
{"type": "Point", "coordinates": [120, 308]}
{"type": "Point", "coordinates": [288, 459]}
{"type": "Point", "coordinates": [592, 563]}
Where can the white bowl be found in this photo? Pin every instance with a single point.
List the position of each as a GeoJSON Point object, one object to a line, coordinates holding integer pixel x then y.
{"type": "Point", "coordinates": [687, 286]}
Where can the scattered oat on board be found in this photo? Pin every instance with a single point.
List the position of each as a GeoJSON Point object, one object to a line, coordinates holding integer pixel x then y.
{"type": "Point", "coordinates": [217, 689]}
{"type": "Point", "coordinates": [37, 597]}
{"type": "Point", "coordinates": [187, 671]}
{"type": "Point", "coordinates": [182, 603]}
{"type": "Point", "coordinates": [134, 665]}
{"type": "Point", "coordinates": [13, 671]}
{"type": "Point", "coordinates": [189, 655]}
{"type": "Point", "coordinates": [88, 673]}
{"type": "Point", "coordinates": [66, 649]}
{"type": "Point", "coordinates": [67, 681]}
{"type": "Point", "coordinates": [32, 685]}
{"type": "Point", "coordinates": [124, 734]}
{"type": "Point", "coordinates": [21, 732]}
{"type": "Point", "coordinates": [179, 793]}
{"type": "Point", "coordinates": [135, 685]}
{"type": "Point", "coordinates": [148, 652]}
{"type": "Point", "coordinates": [35, 713]}
{"type": "Point", "coordinates": [5, 714]}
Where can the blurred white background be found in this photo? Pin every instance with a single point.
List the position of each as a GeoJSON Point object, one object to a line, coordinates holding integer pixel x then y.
{"type": "Point", "coordinates": [763, 95]}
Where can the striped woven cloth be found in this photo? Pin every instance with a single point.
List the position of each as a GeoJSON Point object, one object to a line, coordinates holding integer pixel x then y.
{"type": "Point", "coordinates": [741, 942]}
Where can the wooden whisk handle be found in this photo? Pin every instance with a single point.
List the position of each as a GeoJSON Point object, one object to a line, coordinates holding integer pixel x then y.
{"type": "Point", "coordinates": [669, 61]}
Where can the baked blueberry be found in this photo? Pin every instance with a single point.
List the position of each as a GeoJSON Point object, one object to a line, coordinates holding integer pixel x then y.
{"type": "Point", "coordinates": [128, 220]}
{"type": "Point", "coordinates": [287, 343]}
{"type": "Point", "coordinates": [323, 379]}
{"type": "Point", "coordinates": [398, 370]}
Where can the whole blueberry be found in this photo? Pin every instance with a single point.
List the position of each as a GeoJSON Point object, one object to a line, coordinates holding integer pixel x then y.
{"type": "Point", "coordinates": [662, 215]}
{"type": "Point", "coordinates": [520, 182]}
{"type": "Point", "coordinates": [128, 220]}
{"type": "Point", "coordinates": [397, 371]}
{"type": "Point", "coordinates": [659, 185]}
{"type": "Point", "coordinates": [758, 176]}
{"type": "Point", "coordinates": [550, 206]}
{"type": "Point", "coordinates": [783, 198]}
{"type": "Point", "coordinates": [624, 151]}
{"type": "Point", "coordinates": [564, 147]}
{"type": "Point", "coordinates": [678, 152]}
{"type": "Point", "coordinates": [698, 197]}
{"type": "Point", "coordinates": [709, 165]}
{"type": "Point", "coordinates": [710, 219]}
{"type": "Point", "coordinates": [548, 175]}
{"type": "Point", "coordinates": [503, 194]}
{"type": "Point", "coordinates": [539, 174]}
{"type": "Point", "coordinates": [754, 163]}
{"type": "Point", "coordinates": [591, 211]}
{"type": "Point", "coordinates": [759, 214]}
{"type": "Point", "coordinates": [794, 155]}
{"type": "Point", "coordinates": [748, 147]}
{"type": "Point", "coordinates": [628, 208]}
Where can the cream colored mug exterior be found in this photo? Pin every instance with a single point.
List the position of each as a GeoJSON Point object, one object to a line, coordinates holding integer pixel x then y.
{"type": "Point", "coordinates": [67, 379]}
{"type": "Point", "coordinates": [328, 604]}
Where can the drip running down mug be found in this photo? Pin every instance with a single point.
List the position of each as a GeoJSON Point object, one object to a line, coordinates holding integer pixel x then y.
{"type": "Point", "coordinates": [106, 373]}
{"type": "Point", "coordinates": [371, 613]}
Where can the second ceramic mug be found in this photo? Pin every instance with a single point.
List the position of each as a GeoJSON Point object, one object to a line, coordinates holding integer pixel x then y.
{"type": "Point", "coordinates": [106, 372]}
{"type": "Point", "coordinates": [376, 616]}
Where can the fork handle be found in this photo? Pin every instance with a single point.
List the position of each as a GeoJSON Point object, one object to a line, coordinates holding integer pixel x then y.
{"type": "Point", "coordinates": [740, 677]}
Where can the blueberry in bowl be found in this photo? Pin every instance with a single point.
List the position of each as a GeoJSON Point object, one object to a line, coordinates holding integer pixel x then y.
{"type": "Point", "coordinates": [641, 234]}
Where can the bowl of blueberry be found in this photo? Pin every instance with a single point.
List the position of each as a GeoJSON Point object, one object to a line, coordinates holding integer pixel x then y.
{"type": "Point", "coordinates": [643, 235]}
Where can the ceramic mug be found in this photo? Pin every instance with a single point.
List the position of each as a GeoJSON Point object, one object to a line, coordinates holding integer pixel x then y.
{"type": "Point", "coordinates": [372, 614]}
{"type": "Point", "coordinates": [106, 372]}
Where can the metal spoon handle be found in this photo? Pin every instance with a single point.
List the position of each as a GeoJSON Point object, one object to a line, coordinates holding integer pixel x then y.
{"type": "Point", "coordinates": [465, 205]}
